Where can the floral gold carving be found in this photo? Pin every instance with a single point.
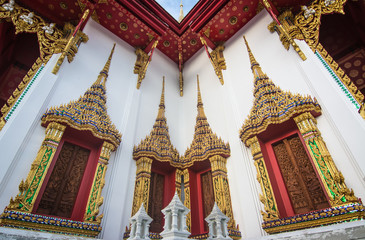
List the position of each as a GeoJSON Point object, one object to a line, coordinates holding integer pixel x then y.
{"type": "Point", "coordinates": [95, 199]}
{"type": "Point", "coordinates": [283, 32]}
{"type": "Point", "coordinates": [221, 187]}
{"type": "Point", "coordinates": [217, 59]}
{"type": "Point", "coordinates": [267, 198]}
{"type": "Point", "coordinates": [293, 31]}
{"type": "Point", "coordinates": [142, 184]}
{"type": "Point", "coordinates": [28, 189]}
{"type": "Point", "coordinates": [72, 44]}
{"type": "Point", "coordinates": [142, 62]}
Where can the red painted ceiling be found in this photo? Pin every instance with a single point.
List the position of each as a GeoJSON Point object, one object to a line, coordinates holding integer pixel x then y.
{"type": "Point", "coordinates": [141, 22]}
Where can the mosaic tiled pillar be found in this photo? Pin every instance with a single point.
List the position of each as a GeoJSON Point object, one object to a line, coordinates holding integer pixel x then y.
{"type": "Point", "coordinates": [333, 180]}
{"type": "Point", "coordinates": [178, 183]}
{"type": "Point", "coordinates": [221, 187]}
{"type": "Point", "coordinates": [29, 189]}
{"type": "Point", "coordinates": [95, 199]}
{"type": "Point", "coordinates": [142, 184]}
{"type": "Point", "coordinates": [267, 197]}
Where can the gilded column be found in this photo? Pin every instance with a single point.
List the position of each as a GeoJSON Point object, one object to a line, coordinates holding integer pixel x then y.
{"type": "Point", "coordinates": [267, 196]}
{"type": "Point", "coordinates": [182, 179]}
{"type": "Point", "coordinates": [332, 179]}
{"type": "Point", "coordinates": [142, 185]}
{"type": "Point", "coordinates": [29, 189]}
{"type": "Point", "coordinates": [95, 199]}
{"type": "Point", "coordinates": [221, 187]}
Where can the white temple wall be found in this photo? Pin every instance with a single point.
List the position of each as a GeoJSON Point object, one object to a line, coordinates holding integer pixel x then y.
{"type": "Point", "coordinates": [134, 112]}
{"type": "Point", "coordinates": [21, 138]}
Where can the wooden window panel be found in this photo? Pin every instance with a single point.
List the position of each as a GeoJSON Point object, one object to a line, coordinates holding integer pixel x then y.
{"type": "Point", "coordinates": [63, 185]}
{"type": "Point", "coordinates": [156, 202]}
{"type": "Point", "coordinates": [207, 195]}
{"type": "Point", "coordinates": [302, 184]}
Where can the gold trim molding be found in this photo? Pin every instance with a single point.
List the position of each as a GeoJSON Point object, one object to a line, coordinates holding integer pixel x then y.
{"type": "Point", "coordinates": [305, 26]}
{"type": "Point", "coordinates": [216, 59]}
{"type": "Point", "coordinates": [95, 199]}
{"type": "Point", "coordinates": [51, 40]}
{"type": "Point", "coordinates": [28, 189]}
{"type": "Point", "coordinates": [267, 197]}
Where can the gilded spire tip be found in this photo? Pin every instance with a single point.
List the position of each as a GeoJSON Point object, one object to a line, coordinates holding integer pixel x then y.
{"type": "Point", "coordinates": [161, 108]}
{"type": "Point", "coordinates": [107, 64]}
{"type": "Point", "coordinates": [181, 15]}
{"type": "Point", "coordinates": [162, 101]}
{"type": "Point", "coordinates": [252, 58]}
{"type": "Point", "coordinates": [200, 102]}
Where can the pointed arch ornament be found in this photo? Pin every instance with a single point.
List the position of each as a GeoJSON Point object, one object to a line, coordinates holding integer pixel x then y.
{"type": "Point", "coordinates": [271, 107]}
{"type": "Point", "coordinates": [87, 114]}
{"type": "Point", "coordinates": [206, 146]}
{"type": "Point", "coordinates": [51, 41]}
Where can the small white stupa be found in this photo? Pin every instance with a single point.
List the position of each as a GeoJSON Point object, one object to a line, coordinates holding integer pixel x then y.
{"type": "Point", "coordinates": [217, 223]}
{"type": "Point", "coordinates": [175, 220]}
{"type": "Point", "coordinates": [140, 224]}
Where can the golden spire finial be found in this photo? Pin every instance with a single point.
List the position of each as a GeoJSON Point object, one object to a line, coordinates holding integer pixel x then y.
{"type": "Point", "coordinates": [255, 66]}
{"type": "Point", "coordinates": [252, 58]}
{"type": "Point", "coordinates": [107, 64]}
{"type": "Point", "coordinates": [161, 109]}
{"type": "Point", "coordinates": [181, 16]}
{"type": "Point", "coordinates": [200, 102]}
{"type": "Point", "coordinates": [105, 70]}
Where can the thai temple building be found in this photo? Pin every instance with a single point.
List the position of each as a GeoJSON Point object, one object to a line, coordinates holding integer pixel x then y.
{"type": "Point", "coordinates": [210, 119]}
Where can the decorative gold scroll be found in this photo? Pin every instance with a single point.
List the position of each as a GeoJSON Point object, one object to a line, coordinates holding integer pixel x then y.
{"type": "Point", "coordinates": [267, 197]}
{"type": "Point", "coordinates": [309, 24]}
{"type": "Point", "coordinates": [95, 199]}
{"type": "Point", "coordinates": [286, 19]}
{"type": "Point", "coordinates": [283, 32]}
{"type": "Point", "coordinates": [29, 189]}
{"type": "Point", "coordinates": [142, 62]}
{"type": "Point", "coordinates": [217, 59]}
{"type": "Point", "coordinates": [142, 185]}
{"type": "Point", "coordinates": [221, 187]}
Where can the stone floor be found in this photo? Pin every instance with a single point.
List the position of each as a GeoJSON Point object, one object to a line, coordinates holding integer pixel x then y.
{"type": "Point", "coordinates": [343, 231]}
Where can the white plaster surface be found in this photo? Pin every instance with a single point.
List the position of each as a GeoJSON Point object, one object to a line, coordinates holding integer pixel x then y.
{"type": "Point", "coordinates": [134, 111]}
